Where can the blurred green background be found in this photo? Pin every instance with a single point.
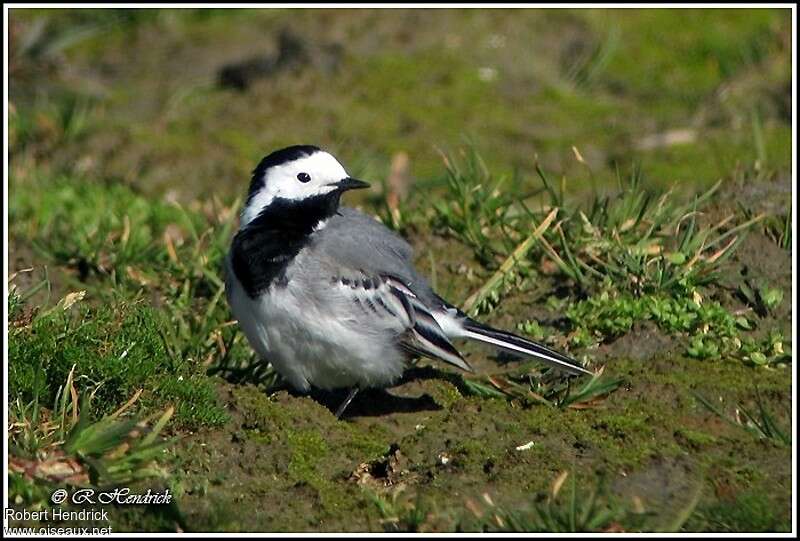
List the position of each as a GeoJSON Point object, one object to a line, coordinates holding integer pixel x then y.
{"type": "Point", "coordinates": [185, 102]}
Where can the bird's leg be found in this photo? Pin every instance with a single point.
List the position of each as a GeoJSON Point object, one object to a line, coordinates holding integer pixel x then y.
{"type": "Point", "coordinates": [351, 395]}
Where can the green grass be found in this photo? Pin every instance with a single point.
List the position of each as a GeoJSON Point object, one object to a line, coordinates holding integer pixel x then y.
{"type": "Point", "coordinates": [121, 251]}
{"type": "Point", "coordinates": [570, 506]}
{"type": "Point", "coordinates": [748, 511]}
{"type": "Point", "coordinates": [584, 509]}
{"type": "Point", "coordinates": [132, 252]}
{"type": "Point", "coordinates": [531, 387]}
{"type": "Point", "coordinates": [398, 516]}
{"type": "Point", "coordinates": [639, 240]}
{"type": "Point", "coordinates": [62, 444]}
{"type": "Point", "coordinates": [760, 422]}
{"type": "Point", "coordinates": [639, 255]}
{"type": "Point", "coordinates": [712, 331]}
{"type": "Point", "coordinates": [778, 227]}
{"type": "Point", "coordinates": [114, 351]}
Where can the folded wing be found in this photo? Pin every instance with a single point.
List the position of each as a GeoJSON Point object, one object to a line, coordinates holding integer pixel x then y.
{"type": "Point", "coordinates": [385, 302]}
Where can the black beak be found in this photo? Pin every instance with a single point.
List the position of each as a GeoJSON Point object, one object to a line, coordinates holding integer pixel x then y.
{"type": "Point", "coordinates": [349, 184]}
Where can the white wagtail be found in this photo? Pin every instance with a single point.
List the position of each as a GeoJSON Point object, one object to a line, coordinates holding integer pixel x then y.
{"type": "Point", "coordinates": [329, 295]}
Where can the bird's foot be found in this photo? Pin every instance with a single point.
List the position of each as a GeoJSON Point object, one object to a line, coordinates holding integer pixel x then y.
{"type": "Point", "coordinates": [351, 395]}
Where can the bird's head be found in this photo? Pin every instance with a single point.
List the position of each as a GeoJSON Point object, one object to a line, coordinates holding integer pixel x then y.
{"type": "Point", "coordinates": [301, 177]}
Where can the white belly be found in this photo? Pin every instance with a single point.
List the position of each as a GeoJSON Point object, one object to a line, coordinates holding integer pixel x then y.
{"type": "Point", "coordinates": [307, 346]}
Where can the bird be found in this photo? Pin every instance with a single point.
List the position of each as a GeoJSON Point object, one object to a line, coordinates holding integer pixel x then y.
{"type": "Point", "coordinates": [329, 295]}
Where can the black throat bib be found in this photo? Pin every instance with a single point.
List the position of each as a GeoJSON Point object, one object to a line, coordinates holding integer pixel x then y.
{"type": "Point", "coordinates": [263, 249]}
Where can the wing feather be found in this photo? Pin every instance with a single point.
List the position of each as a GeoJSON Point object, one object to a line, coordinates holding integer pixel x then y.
{"type": "Point", "coordinates": [388, 300]}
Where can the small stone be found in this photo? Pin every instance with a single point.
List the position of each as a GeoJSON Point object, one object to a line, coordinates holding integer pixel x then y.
{"type": "Point", "coordinates": [525, 446]}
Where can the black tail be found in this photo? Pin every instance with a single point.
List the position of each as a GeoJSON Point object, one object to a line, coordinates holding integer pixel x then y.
{"type": "Point", "coordinates": [522, 346]}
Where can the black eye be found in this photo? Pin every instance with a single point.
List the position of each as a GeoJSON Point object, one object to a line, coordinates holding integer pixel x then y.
{"type": "Point", "coordinates": [303, 177]}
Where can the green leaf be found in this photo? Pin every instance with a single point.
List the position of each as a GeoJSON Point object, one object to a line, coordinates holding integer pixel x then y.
{"type": "Point", "coordinates": [676, 258]}
{"type": "Point", "coordinates": [743, 322]}
{"type": "Point", "coordinates": [772, 297]}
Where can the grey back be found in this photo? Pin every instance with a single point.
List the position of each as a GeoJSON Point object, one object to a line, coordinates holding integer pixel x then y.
{"type": "Point", "coordinates": [353, 240]}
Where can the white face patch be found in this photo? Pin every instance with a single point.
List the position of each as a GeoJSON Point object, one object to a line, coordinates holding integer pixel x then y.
{"type": "Point", "coordinates": [282, 182]}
